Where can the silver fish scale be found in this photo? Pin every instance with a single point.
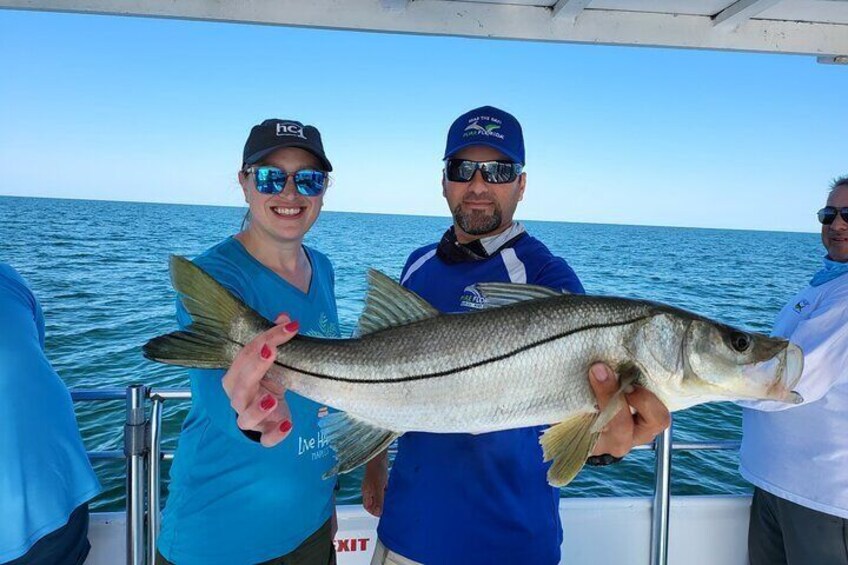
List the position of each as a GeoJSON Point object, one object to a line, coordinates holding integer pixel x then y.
{"type": "Point", "coordinates": [515, 366]}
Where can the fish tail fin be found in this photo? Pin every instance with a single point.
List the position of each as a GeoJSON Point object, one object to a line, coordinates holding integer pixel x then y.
{"type": "Point", "coordinates": [189, 349]}
{"type": "Point", "coordinates": [221, 323]}
{"type": "Point", "coordinates": [568, 444]}
{"type": "Point", "coordinates": [355, 442]}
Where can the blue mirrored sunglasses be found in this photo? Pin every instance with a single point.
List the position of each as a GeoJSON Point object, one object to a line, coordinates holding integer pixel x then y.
{"type": "Point", "coordinates": [271, 180]}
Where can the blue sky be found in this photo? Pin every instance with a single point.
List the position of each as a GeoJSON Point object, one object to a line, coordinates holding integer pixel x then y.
{"type": "Point", "coordinates": [157, 110]}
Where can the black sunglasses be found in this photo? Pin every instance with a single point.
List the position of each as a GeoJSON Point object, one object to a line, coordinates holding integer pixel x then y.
{"type": "Point", "coordinates": [494, 172]}
{"type": "Point", "coordinates": [827, 215]}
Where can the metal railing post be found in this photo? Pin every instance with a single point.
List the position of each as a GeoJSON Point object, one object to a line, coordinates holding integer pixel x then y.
{"type": "Point", "coordinates": [153, 492]}
{"type": "Point", "coordinates": [135, 450]}
{"type": "Point", "coordinates": [662, 499]}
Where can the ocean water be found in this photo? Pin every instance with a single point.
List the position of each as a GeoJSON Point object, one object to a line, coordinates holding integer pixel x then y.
{"type": "Point", "coordinates": [100, 271]}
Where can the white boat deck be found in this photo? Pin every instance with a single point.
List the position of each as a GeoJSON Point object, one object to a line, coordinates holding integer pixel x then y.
{"type": "Point", "coordinates": [703, 530]}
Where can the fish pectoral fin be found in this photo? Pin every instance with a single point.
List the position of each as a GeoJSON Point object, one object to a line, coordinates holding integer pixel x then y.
{"type": "Point", "coordinates": [503, 294]}
{"type": "Point", "coordinates": [628, 375]}
{"type": "Point", "coordinates": [568, 444]}
{"type": "Point", "coordinates": [355, 441]}
{"type": "Point", "coordinates": [388, 304]}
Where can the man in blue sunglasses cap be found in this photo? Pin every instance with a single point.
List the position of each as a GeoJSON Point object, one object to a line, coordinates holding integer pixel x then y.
{"type": "Point", "coordinates": [469, 499]}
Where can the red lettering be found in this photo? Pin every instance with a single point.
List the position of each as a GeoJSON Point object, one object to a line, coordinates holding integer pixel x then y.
{"type": "Point", "coordinates": [351, 544]}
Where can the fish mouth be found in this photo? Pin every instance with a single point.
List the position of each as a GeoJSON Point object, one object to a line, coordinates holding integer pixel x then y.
{"type": "Point", "coordinates": [789, 373]}
{"type": "Point", "coordinates": [776, 378]}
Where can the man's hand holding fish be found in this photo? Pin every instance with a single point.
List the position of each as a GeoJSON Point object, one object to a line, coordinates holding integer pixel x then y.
{"type": "Point", "coordinates": [629, 428]}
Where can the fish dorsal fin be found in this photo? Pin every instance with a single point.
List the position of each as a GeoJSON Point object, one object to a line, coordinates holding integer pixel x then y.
{"type": "Point", "coordinates": [389, 304]}
{"type": "Point", "coordinates": [502, 294]}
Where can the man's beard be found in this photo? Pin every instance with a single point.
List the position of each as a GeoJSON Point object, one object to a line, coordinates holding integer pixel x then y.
{"type": "Point", "coordinates": [477, 222]}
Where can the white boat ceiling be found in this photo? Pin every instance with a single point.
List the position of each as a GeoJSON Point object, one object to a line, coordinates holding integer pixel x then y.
{"type": "Point", "coordinates": [811, 27]}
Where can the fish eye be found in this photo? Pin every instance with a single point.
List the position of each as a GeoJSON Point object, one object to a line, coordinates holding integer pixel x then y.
{"type": "Point", "coordinates": [740, 341]}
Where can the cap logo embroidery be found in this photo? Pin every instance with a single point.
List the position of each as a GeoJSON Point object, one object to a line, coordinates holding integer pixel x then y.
{"type": "Point", "coordinates": [474, 128]}
{"type": "Point", "coordinates": [801, 305]}
{"type": "Point", "coordinates": [286, 128]}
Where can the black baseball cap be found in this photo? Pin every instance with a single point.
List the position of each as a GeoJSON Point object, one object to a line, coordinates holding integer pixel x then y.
{"type": "Point", "coordinates": [271, 135]}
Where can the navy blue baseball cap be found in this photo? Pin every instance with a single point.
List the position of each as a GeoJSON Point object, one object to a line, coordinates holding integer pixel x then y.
{"type": "Point", "coordinates": [489, 126]}
{"type": "Point", "coordinates": [271, 135]}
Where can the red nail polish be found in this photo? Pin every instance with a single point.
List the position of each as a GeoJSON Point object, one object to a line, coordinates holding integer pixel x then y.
{"type": "Point", "coordinates": [267, 402]}
{"type": "Point", "coordinates": [292, 326]}
{"type": "Point", "coordinates": [285, 426]}
{"type": "Point", "coordinates": [266, 352]}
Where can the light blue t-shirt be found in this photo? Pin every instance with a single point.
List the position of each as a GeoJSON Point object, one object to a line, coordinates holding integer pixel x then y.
{"type": "Point", "coordinates": [44, 470]}
{"type": "Point", "coordinates": [233, 501]}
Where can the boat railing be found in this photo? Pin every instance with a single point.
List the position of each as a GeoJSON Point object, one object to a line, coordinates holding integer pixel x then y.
{"type": "Point", "coordinates": [143, 454]}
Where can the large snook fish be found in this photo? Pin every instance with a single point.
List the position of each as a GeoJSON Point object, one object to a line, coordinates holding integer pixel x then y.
{"type": "Point", "coordinates": [522, 363]}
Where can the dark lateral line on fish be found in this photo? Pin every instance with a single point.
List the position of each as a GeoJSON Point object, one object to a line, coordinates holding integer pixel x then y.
{"type": "Point", "coordinates": [464, 368]}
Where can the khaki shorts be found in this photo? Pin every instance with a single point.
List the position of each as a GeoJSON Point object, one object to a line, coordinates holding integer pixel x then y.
{"type": "Point", "coordinates": [385, 556]}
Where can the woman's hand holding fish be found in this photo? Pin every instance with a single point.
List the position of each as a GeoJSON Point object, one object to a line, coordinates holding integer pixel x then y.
{"type": "Point", "coordinates": [259, 403]}
{"type": "Point", "coordinates": [626, 430]}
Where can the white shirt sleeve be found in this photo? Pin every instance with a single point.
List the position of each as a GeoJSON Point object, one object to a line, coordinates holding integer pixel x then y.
{"type": "Point", "coordinates": [823, 337]}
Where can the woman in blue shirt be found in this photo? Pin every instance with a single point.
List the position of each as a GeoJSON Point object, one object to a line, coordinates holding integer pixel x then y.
{"type": "Point", "coordinates": [239, 494]}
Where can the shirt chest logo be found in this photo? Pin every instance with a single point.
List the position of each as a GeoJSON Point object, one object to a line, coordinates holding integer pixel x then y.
{"type": "Point", "coordinates": [799, 307]}
{"type": "Point", "coordinates": [472, 298]}
{"type": "Point", "coordinates": [325, 328]}
{"type": "Point", "coordinates": [315, 447]}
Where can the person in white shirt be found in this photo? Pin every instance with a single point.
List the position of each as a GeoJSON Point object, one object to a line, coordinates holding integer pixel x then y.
{"type": "Point", "coordinates": [797, 456]}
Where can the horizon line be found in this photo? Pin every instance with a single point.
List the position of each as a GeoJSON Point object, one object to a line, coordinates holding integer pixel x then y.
{"type": "Point", "coordinates": [446, 217]}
